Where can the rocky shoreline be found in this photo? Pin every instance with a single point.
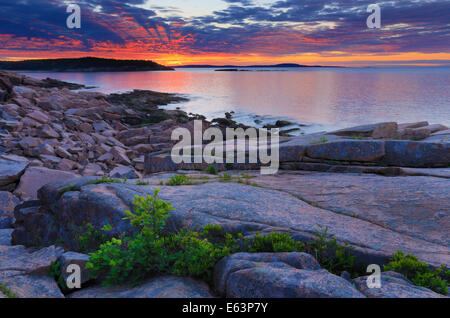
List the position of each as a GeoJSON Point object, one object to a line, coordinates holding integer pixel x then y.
{"type": "Point", "coordinates": [378, 188]}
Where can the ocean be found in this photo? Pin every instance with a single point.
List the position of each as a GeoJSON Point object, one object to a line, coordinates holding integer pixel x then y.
{"type": "Point", "coordinates": [314, 99]}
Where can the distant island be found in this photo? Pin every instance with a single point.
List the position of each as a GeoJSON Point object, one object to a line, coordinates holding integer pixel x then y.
{"type": "Point", "coordinates": [85, 64]}
{"type": "Point", "coordinates": [235, 67]}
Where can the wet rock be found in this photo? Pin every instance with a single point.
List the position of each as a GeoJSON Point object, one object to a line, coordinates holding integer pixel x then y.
{"type": "Point", "coordinates": [157, 287]}
{"type": "Point", "coordinates": [282, 123]}
{"type": "Point", "coordinates": [394, 285]}
{"type": "Point", "coordinates": [283, 275]}
{"type": "Point", "coordinates": [35, 178]}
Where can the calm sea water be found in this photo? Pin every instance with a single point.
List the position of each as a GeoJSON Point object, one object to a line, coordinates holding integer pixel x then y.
{"type": "Point", "coordinates": [321, 99]}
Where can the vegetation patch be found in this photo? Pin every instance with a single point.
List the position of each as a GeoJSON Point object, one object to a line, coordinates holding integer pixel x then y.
{"type": "Point", "coordinates": [142, 182]}
{"type": "Point", "coordinates": [55, 272]}
{"type": "Point", "coordinates": [153, 250]}
{"type": "Point", "coordinates": [320, 141]}
{"type": "Point", "coordinates": [211, 170]}
{"type": "Point", "coordinates": [419, 273]}
{"type": "Point", "coordinates": [90, 238]}
{"type": "Point", "coordinates": [6, 291]}
{"type": "Point", "coordinates": [104, 179]}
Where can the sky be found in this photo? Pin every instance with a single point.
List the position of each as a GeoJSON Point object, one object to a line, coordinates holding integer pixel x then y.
{"type": "Point", "coordinates": [238, 32]}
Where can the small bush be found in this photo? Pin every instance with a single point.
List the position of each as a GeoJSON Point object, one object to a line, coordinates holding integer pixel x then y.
{"type": "Point", "coordinates": [7, 292]}
{"type": "Point", "coordinates": [89, 238]}
{"type": "Point", "coordinates": [226, 177]}
{"type": "Point", "coordinates": [142, 183]}
{"type": "Point", "coordinates": [150, 250]}
{"type": "Point", "coordinates": [55, 272]}
{"type": "Point", "coordinates": [330, 255]}
{"type": "Point", "coordinates": [177, 180]}
{"type": "Point", "coordinates": [275, 243]}
{"type": "Point", "coordinates": [211, 170]}
{"type": "Point", "coordinates": [420, 273]}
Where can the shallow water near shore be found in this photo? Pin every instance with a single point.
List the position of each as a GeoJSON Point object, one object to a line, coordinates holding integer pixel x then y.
{"type": "Point", "coordinates": [319, 98]}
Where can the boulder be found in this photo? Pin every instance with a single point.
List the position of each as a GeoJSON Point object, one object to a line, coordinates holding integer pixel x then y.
{"type": "Point", "coordinates": [32, 286]}
{"type": "Point", "coordinates": [35, 178]}
{"type": "Point", "coordinates": [25, 261]}
{"type": "Point", "coordinates": [157, 287]}
{"type": "Point", "coordinates": [73, 258]}
{"type": "Point", "coordinates": [283, 275]}
{"type": "Point", "coordinates": [377, 131]}
{"type": "Point", "coordinates": [413, 125]}
{"type": "Point", "coordinates": [348, 150]}
{"type": "Point", "coordinates": [92, 169]}
{"type": "Point", "coordinates": [24, 91]}
{"type": "Point", "coordinates": [6, 237]}
{"type": "Point", "coordinates": [8, 202]}
{"type": "Point", "coordinates": [123, 172]}
{"type": "Point", "coordinates": [417, 154]}
{"type": "Point", "coordinates": [5, 222]}
{"type": "Point", "coordinates": [10, 171]}
{"type": "Point", "coordinates": [43, 149]}
{"type": "Point", "coordinates": [48, 132]}
{"type": "Point", "coordinates": [158, 163]}
{"type": "Point", "coordinates": [120, 155]}
{"type": "Point", "coordinates": [39, 116]}
{"type": "Point", "coordinates": [29, 142]}
{"type": "Point", "coordinates": [394, 285]}
{"type": "Point", "coordinates": [67, 165]}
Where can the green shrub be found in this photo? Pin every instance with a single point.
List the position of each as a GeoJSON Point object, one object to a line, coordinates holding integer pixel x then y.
{"type": "Point", "coordinates": [142, 183]}
{"type": "Point", "coordinates": [89, 238]}
{"type": "Point", "coordinates": [274, 243]}
{"type": "Point", "coordinates": [150, 250]}
{"type": "Point", "coordinates": [7, 292]}
{"type": "Point", "coordinates": [330, 255]}
{"type": "Point", "coordinates": [420, 273]}
{"type": "Point", "coordinates": [177, 180]}
{"type": "Point", "coordinates": [55, 272]}
{"type": "Point", "coordinates": [211, 170]}
{"type": "Point", "coordinates": [153, 250]}
{"type": "Point", "coordinates": [104, 179]}
{"type": "Point", "coordinates": [226, 177]}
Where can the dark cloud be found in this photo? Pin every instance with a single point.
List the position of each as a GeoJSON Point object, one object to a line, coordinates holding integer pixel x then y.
{"type": "Point", "coordinates": [285, 27]}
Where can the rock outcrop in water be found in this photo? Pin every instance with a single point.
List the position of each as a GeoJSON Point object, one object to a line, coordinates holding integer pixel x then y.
{"type": "Point", "coordinates": [379, 188]}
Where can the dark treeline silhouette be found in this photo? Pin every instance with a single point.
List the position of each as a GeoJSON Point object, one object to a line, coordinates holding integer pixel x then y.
{"type": "Point", "coordinates": [85, 64]}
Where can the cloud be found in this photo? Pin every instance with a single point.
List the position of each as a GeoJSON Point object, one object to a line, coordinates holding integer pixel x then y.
{"type": "Point", "coordinates": [278, 28]}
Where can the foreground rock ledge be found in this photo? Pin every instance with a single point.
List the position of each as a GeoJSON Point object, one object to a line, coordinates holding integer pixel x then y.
{"type": "Point", "coordinates": [64, 207]}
